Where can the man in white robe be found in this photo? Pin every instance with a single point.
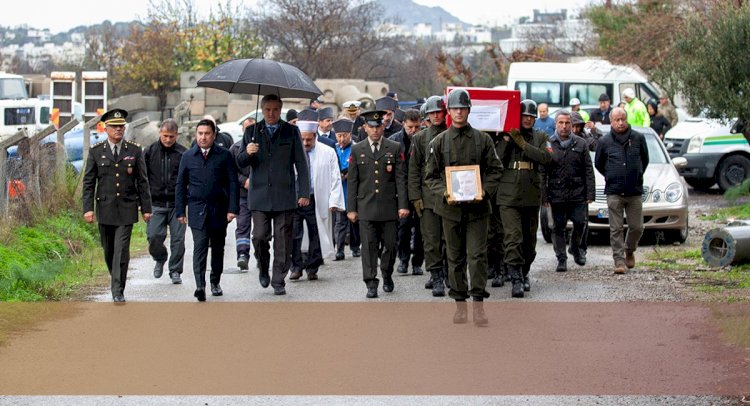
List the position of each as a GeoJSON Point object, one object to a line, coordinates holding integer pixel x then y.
{"type": "Point", "coordinates": [316, 220]}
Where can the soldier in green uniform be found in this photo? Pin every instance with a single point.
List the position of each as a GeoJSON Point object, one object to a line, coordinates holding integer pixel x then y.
{"type": "Point", "coordinates": [519, 196]}
{"type": "Point", "coordinates": [424, 199]}
{"type": "Point", "coordinates": [464, 224]}
{"type": "Point", "coordinates": [115, 177]}
{"type": "Point", "coordinates": [376, 196]}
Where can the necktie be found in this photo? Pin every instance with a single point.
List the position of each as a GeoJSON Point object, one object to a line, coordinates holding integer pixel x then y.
{"type": "Point", "coordinates": [375, 147]}
{"type": "Point", "coordinates": [205, 154]}
{"type": "Point", "coordinates": [114, 153]}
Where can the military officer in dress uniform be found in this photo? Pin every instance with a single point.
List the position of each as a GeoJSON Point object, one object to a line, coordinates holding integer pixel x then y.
{"type": "Point", "coordinates": [377, 196]}
{"type": "Point", "coordinates": [523, 153]}
{"type": "Point", "coordinates": [115, 177]}
{"type": "Point", "coordinates": [465, 224]}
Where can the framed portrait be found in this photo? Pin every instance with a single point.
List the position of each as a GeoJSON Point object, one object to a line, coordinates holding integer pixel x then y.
{"type": "Point", "coordinates": [463, 183]}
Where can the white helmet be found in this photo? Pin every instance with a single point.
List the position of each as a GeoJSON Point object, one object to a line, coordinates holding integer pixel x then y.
{"type": "Point", "coordinates": [575, 102]}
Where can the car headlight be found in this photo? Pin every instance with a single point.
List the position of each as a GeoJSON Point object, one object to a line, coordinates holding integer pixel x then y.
{"type": "Point", "coordinates": [674, 192]}
{"type": "Point", "coordinates": [695, 144]}
{"type": "Point", "coordinates": [656, 196]}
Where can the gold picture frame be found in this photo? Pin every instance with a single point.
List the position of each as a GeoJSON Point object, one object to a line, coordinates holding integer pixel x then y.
{"type": "Point", "coordinates": [464, 183]}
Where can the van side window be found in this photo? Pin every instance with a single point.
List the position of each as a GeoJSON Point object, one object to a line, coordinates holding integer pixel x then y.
{"type": "Point", "coordinates": [587, 93]}
{"type": "Point", "coordinates": [541, 92]}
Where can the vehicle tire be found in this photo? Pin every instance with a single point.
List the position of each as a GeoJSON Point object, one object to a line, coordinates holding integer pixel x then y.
{"type": "Point", "coordinates": [673, 236]}
{"type": "Point", "coordinates": [544, 225]}
{"type": "Point", "coordinates": [732, 171]}
{"type": "Point", "coordinates": [700, 184]}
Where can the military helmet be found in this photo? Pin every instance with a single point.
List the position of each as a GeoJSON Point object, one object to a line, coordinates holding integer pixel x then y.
{"type": "Point", "coordinates": [458, 98]}
{"type": "Point", "coordinates": [528, 108]}
{"type": "Point", "coordinates": [434, 104]}
{"type": "Point", "coordinates": [423, 111]}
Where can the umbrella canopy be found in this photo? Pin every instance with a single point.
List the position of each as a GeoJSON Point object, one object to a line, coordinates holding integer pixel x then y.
{"type": "Point", "coordinates": [260, 76]}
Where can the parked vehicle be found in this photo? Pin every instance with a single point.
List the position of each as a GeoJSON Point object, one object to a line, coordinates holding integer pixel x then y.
{"type": "Point", "coordinates": [234, 128]}
{"type": "Point", "coordinates": [714, 155]}
{"type": "Point", "coordinates": [73, 146]}
{"type": "Point", "coordinates": [665, 198]}
{"type": "Point", "coordinates": [557, 83]}
{"type": "Point", "coordinates": [17, 110]}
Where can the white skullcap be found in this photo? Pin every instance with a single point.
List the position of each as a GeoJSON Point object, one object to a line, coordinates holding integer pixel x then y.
{"type": "Point", "coordinates": [307, 126]}
{"type": "Point", "coordinates": [629, 93]}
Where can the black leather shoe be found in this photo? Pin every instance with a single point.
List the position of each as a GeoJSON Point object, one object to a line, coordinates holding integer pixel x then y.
{"type": "Point", "coordinates": [296, 274]}
{"type": "Point", "coordinates": [498, 281]}
{"type": "Point", "coordinates": [158, 270]}
{"type": "Point", "coordinates": [356, 253]}
{"type": "Point", "coordinates": [265, 280]}
{"type": "Point", "coordinates": [402, 267]}
{"type": "Point", "coordinates": [243, 262]}
{"type": "Point", "coordinates": [339, 256]}
{"type": "Point", "coordinates": [312, 276]}
{"type": "Point", "coordinates": [580, 259]}
{"type": "Point", "coordinates": [387, 284]}
{"type": "Point", "coordinates": [562, 266]}
{"type": "Point", "coordinates": [176, 279]}
{"type": "Point", "coordinates": [216, 289]}
{"type": "Point", "coordinates": [118, 299]}
{"type": "Point", "coordinates": [372, 293]}
{"type": "Point", "coordinates": [417, 270]}
{"type": "Point", "coordinates": [200, 294]}
{"type": "Point", "coordinates": [279, 290]}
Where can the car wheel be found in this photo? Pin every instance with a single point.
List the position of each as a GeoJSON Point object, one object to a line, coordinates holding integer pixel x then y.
{"type": "Point", "coordinates": [732, 171]}
{"type": "Point", "coordinates": [544, 224]}
{"type": "Point", "coordinates": [700, 184]}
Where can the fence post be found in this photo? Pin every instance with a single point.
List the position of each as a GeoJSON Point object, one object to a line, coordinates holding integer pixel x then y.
{"type": "Point", "coordinates": [4, 145]}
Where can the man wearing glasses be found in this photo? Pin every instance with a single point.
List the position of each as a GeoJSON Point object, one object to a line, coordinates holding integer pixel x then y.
{"type": "Point", "coordinates": [115, 177]}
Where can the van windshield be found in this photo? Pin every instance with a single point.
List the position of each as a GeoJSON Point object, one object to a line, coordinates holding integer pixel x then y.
{"type": "Point", "coordinates": [13, 88]}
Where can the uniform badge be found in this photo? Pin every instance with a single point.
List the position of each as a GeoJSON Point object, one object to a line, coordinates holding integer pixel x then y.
{"type": "Point", "coordinates": [130, 170]}
{"type": "Point", "coordinates": [389, 168]}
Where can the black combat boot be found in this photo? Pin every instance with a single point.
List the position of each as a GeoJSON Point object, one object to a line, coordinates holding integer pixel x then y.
{"type": "Point", "coordinates": [498, 280]}
{"type": "Point", "coordinates": [517, 279]}
{"type": "Point", "coordinates": [491, 272]}
{"type": "Point", "coordinates": [446, 279]}
{"type": "Point", "coordinates": [480, 318]}
{"type": "Point", "coordinates": [438, 288]}
{"type": "Point", "coordinates": [431, 282]}
{"type": "Point", "coordinates": [562, 265]}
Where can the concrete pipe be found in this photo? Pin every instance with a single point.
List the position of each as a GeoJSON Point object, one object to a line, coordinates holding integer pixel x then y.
{"type": "Point", "coordinates": [350, 92]}
{"type": "Point", "coordinates": [727, 246]}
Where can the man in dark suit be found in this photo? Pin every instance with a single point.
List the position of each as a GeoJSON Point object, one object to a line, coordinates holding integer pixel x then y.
{"type": "Point", "coordinates": [115, 177]}
{"type": "Point", "coordinates": [326, 135]}
{"type": "Point", "coordinates": [207, 184]}
{"type": "Point", "coordinates": [273, 149]}
{"type": "Point", "coordinates": [376, 195]}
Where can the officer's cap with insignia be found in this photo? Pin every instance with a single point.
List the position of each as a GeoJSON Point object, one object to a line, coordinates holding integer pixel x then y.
{"type": "Point", "coordinates": [374, 118]}
{"type": "Point", "coordinates": [343, 125]}
{"type": "Point", "coordinates": [114, 117]}
{"type": "Point", "coordinates": [386, 103]}
{"type": "Point", "coordinates": [352, 105]}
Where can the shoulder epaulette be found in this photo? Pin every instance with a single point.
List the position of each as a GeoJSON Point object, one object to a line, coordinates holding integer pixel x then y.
{"type": "Point", "coordinates": [98, 143]}
{"type": "Point", "coordinates": [133, 143]}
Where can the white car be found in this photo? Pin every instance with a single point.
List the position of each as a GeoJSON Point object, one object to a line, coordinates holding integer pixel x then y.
{"type": "Point", "coordinates": [665, 197]}
{"type": "Point", "coordinates": [234, 128]}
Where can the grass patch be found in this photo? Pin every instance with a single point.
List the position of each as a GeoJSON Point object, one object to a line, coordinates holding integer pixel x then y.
{"type": "Point", "coordinates": [673, 258]}
{"type": "Point", "coordinates": [730, 213]}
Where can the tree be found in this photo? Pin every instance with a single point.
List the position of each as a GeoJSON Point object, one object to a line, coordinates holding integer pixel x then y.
{"type": "Point", "coordinates": [709, 66]}
{"type": "Point", "coordinates": [326, 38]}
{"type": "Point", "coordinates": [102, 48]}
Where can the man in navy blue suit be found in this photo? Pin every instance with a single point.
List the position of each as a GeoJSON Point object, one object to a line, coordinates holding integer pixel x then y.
{"type": "Point", "coordinates": [207, 184]}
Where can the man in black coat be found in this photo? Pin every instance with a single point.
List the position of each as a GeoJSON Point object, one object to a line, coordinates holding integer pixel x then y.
{"type": "Point", "coordinates": [115, 177]}
{"type": "Point", "coordinates": [622, 157]}
{"type": "Point", "coordinates": [273, 149]}
{"type": "Point", "coordinates": [162, 165]}
{"type": "Point", "coordinates": [207, 184]}
{"type": "Point", "coordinates": [568, 186]}
{"type": "Point", "coordinates": [409, 226]}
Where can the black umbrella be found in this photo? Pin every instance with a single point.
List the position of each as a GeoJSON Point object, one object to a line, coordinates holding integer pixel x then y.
{"type": "Point", "coordinates": [260, 76]}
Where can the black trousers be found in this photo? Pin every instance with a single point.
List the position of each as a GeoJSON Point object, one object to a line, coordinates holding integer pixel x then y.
{"type": "Point", "coordinates": [561, 213]}
{"type": "Point", "coordinates": [281, 224]}
{"type": "Point", "coordinates": [306, 215]}
{"type": "Point", "coordinates": [203, 239]}
{"type": "Point", "coordinates": [116, 244]}
{"type": "Point", "coordinates": [341, 228]}
{"type": "Point", "coordinates": [374, 234]}
{"type": "Point", "coordinates": [410, 235]}
{"type": "Point", "coordinates": [244, 226]}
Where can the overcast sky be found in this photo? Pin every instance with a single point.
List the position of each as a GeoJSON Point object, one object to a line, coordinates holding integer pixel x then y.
{"type": "Point", "coordinates": [62, 15]}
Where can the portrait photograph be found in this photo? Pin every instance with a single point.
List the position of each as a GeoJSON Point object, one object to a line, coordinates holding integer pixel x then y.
{"type": "Point", "coordinates": [463, 183]}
